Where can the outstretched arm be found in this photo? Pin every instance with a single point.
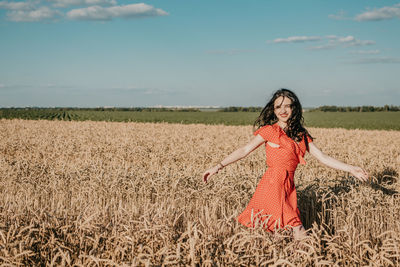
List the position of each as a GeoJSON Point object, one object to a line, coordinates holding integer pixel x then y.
{"type": "Point", "coordinates": [235, 156]}
{"type": "Point", "coordinates": [336, 164]}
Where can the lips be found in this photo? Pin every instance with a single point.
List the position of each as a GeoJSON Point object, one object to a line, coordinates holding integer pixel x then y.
{"type": "Point", "coordinates": [283, 115]}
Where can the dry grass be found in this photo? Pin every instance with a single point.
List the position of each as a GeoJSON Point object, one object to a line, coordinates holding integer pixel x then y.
{"type": "Point", "coordinates": [105, 194]}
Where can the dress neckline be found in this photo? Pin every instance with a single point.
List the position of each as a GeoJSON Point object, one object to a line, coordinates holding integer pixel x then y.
{"type": "Point", "coordinates": [276, 125]}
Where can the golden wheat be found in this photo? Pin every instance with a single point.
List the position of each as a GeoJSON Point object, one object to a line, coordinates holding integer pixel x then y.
{"type": "Point", "coordinates": [106, 194]}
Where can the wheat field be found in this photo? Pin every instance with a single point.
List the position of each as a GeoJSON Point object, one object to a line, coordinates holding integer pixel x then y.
{"type": "Point", "coordinates": [131, 194]}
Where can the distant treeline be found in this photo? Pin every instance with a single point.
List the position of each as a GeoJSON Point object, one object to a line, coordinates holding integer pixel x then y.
{"type": "Point", "coordinates": [139, 109]}
{"type": "Point", "coordinates": [241, 109]}
{"type": "Point", "coordinates": [356, 109]}
{"type": "Point", "coordinates": [174, 109]}
{"type": "Point", "coordinates": [322, 108]}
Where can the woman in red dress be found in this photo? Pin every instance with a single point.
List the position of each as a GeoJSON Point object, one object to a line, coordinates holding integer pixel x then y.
{"type": "Point", "coordinates": [280, 127]}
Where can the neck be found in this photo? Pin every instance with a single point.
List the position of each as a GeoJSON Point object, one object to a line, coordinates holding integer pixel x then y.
{"type": "Point", "coordinates": [282, 124]}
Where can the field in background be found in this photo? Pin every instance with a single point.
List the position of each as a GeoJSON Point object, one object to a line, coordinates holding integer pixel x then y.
{"type": "Point", "coordinates": [109, 193]}
{"type": "Point", "coordinates": [348, 120]}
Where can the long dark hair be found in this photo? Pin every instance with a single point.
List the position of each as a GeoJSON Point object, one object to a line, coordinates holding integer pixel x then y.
{"type": "Point", "coordinates": [294, 129]}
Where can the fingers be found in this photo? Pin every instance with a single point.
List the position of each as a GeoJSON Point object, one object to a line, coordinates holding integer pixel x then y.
{"type": "Point", "coordinates": [205, 176]}
{"type": "Point", "coordinates": [362, 175]}
{"type": "Point", "coordinates": [365, 175]}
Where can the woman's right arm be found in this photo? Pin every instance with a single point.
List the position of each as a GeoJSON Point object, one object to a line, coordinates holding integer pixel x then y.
{"type": "Point", "coordinates": [358, 172]}
{"type": "Point", "coordinates": [235, 156]}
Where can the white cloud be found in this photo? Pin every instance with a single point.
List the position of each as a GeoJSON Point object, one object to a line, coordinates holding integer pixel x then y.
{"type": "Point", "coordinates": [39, 14]}
{"type": "Point", "coordinates": [297, 39]}
{"type": "Point", "coordinates": [108, 13]}
{"type": "Point", "coordinates": [139, 90]}
{"type": "Point", "coordinates": [352, 41]}
{"type": "Point", "coordinates": [341, 15]}
{"type": "Point", "coordinates": [331, 37]}
{"type": "Point", "coordinates": [16, 5]}
{"type": "Point", "coordinates": [386, 12]}
{"type": "Point", "coordinates": [365, 52]}
{"type": "Point", "coordinates": [376, 60]}
{"type": "Point", "coordinates": [323, 47]}
{"type": "Point", "coordinates": [345, 41]}
{"type": "Point", "coordinates": [229, 52]}
{"type": "Point", "coordinates": [66, 3]}
{"type": "Point", "coordinates": [333, 41]}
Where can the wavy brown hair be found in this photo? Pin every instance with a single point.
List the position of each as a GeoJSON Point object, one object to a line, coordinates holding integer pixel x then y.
{"type": "Point", "coordinates": [294, 129]}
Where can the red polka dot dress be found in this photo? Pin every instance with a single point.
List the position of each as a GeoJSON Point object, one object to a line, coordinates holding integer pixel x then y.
{"type": "Point", "coordinates": [274, 203]}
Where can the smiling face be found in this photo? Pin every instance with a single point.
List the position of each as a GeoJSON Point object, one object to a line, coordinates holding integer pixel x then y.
{"type": "Point", "coordinates": [283, 108]}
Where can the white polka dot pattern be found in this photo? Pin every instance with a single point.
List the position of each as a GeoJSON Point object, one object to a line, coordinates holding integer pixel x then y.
{"type": "Point", "coordinates": [274, 202]}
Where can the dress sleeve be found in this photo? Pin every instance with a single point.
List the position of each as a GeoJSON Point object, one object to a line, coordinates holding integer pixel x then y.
{"type": "Point", "coordinates": [309, 139]}
{"type": "Point", "coordinates": [266, 132]}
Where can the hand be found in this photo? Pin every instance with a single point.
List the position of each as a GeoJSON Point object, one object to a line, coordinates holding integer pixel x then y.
{"type": "Point", "coordinates": [207, 174]}
{"type": "Point", "coordinates": [360, 173]}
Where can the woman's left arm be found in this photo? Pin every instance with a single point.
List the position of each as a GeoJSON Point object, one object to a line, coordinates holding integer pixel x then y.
{"type": "Point", "coordinates": [358, 172]}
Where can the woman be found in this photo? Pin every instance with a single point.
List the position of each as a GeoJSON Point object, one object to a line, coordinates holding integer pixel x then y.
{"type": "Point", "coordinates": [274, 203]}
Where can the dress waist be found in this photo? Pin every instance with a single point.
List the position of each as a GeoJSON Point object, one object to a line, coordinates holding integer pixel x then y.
{"type": "Point", "coordinates": [290, 167]}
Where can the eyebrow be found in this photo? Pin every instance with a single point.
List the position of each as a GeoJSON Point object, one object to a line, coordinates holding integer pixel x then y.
{"type": "Point", "coordinates": [281, 105]}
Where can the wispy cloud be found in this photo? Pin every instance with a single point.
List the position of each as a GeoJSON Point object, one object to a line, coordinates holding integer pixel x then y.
{"type": "Point", "coordinates": [102, 10]}
{"type": "Point", "coordinates": [386, 12]}
{"type": "Point", "coordinates": [108, 13]}
{"type": "Point", "coordinates": [17, 5]}
{"type": "Point", "coordinates": [344, 41]}
{"type": "Point", "coordinates": [39, 14]}
{"type": "Point", "coordinates": [53, 87]}
{"type": "Point", "coordinates": [7, 88]}
{"type": "Point", "coordinates": [324, 46]}
{"type": "Point", "coordinates": [375, 60]}
{"type": "Point", "coordinates": [341, 15]}
{"type": "Point", "coordinates": [139, 90]}
{"type": "Point", "coordinates": [333, 41]}
{"type": "Point", "coordinates": [87, 90]}
{"type": "Point", "coordinates": [296, 39]}
{"type": "Point", "coordinates": [365, 52]}
{"type": "Point", "coordinates": [352, 41]}
{"type": "Point", "coordinates": [331, 37]}
{"type": "Point", "coordinates": [66, 3]}
{"type": "Point", "coordinates": [229, 52]}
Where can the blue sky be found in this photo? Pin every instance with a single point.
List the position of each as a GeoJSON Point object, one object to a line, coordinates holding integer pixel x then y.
{"type": "Point", "coordinates": [89, 53]}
